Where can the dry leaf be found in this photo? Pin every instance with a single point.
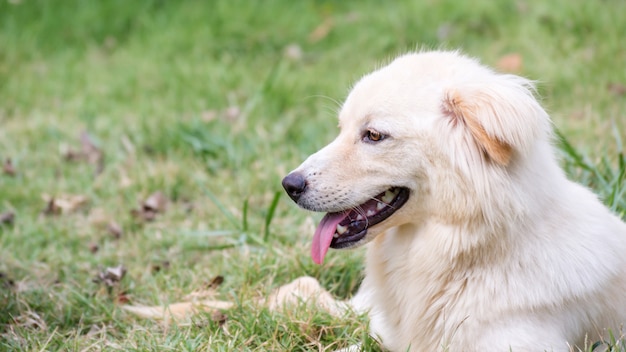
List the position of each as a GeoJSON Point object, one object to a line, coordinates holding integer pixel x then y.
{"type": "Point", "coordinates": [122, 298]}
{"type": "Point", "coordinates": [51, 208]}
{"type": "Point", "coordinates": [219, 317]}
{"type": "Point", "coordinates": [510, 63]}
{"type": "Point", "coordinates": [111, 277]}
{"type": "Point", "coordinates": [322, 30]}
{"type": "Point", "coordinates": [115, 230]}
{"type": "Point", "coordinates": [63, 204]}
{"type": "Point", "coordinates": [8, 168]}
{"type": "Point", "coordinates": [7, 218]}
{"type": "Point", "coordinates": [143, 215]}
{"type": "Point", "coordinates": [156, 202]}
{"type": "Point", "coordinates": [30, 319]}
{"type": "Point", "coordinates": [94, 247]}
{"type": "Point", "coordinates": [163, 265]}
{"type": "Point", "coordinates": [89, 152]}
{"type": "Point", "coordinates": [6, 281]}
{"type": "Point", "coordinates": [616, 88]}
{"type": "Point", "coordinates": [213, 284]}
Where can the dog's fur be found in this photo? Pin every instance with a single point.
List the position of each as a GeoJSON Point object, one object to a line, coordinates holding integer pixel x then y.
{"type": "Point", "coordinates": [496, 249]}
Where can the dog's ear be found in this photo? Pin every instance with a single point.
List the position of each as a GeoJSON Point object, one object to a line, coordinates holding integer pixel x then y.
{"type": "Point", "coordinates": [501, 114]}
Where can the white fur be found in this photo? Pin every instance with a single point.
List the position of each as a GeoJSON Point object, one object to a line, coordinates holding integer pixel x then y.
{"type": "Point", "coordinates": [484, 256]}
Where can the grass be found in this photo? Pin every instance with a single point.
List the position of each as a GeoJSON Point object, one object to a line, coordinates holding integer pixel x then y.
{"type": "Point", "coordinates": [211, 103]}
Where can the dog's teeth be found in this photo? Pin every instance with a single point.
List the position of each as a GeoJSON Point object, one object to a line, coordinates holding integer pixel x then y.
{"type": "Point", "coordinates": [388, 197]}
{"type": "Point", "coordinates": [380, 206]}
{"type": "Point", "coordinates": [370, 212]}
{"type": "Point", "coordinates": [359, 217]}
{"type": "Point", "coordinates": [341, 230]}
{"type": "Point", "coordinates": [336, 235]}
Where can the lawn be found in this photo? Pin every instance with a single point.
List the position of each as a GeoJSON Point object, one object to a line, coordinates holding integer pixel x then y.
{"type": "Point", "coordinates": [154, 135]}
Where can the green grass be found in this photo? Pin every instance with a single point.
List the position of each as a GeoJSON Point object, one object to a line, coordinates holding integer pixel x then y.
{"type": "Point", "coordinates": [199, 100]}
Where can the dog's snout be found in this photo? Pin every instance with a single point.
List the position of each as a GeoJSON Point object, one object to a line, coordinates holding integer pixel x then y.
{"type": "Point", "coordinates": [294, 184]}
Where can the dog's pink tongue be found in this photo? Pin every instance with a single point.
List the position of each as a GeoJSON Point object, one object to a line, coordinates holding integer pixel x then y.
{"type": "Point", "coordinates": [324, 235]}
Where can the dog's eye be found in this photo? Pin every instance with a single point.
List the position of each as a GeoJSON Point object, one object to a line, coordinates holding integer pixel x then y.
{"type": "Point", "coordinates": [373, 136]}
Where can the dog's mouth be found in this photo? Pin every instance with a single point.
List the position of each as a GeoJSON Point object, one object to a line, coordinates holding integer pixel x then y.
{"type": "Point", "coordinates": [347, 228]}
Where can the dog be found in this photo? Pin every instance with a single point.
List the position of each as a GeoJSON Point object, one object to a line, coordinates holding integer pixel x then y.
{"type": "Point", "coordinates": [476, 240]}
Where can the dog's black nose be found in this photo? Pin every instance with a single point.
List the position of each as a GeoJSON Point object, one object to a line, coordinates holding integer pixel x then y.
{"type": "Point", "coordinates": [294, 184]}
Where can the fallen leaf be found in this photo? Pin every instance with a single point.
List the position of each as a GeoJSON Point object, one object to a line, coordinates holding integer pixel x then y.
{"type": "Point", "coordinates": [143, 215]}
{"type": "Point", "coordinates": [7, 218]}
{"type": "Point", "coordinates": [64, 204]}
{"type": "Point", "coordinates": [6, 281]}
{"type": "Point", "coordinates": [94, 247]}
{"type": "Point", "coordinates": [111, 277]}
{"type": "Point", "coordinates": [510, 63]}
{"type": "Point", "coordinates": [122, 297]}
{"type": "Point", "coordinates": [219, 317]}
{"type": "Point", "coordinates": [156, 202]}
{"type": "Point", "coordinates": [115, 230]}
{"type": "Point", "coordinates": [8, 168]}
{"type": "Point", "coordinates": [51, 208]}
{"type": "Point", "coordinates": [30, 319]}
{"type": "Point", "coordinates": [70, 154]}
{"type": "Point", "coordinates": [160, 266]}
{"type": "Point", "coordinates": [89, 152]}
{"type": "Point", "coordinates": [616, 88]}
{"type": "Point", "coordinates": [322, 30]}
{"type": "Point", "coordinates": [218, 280]}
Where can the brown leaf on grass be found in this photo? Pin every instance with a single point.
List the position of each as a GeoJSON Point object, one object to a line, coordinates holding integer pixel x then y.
{"type": "Point", "coordinates": [143, 215]}
{"type": "Point", "coordinates": [51, 208]}
{"type": "Point", "coordinates": [8, 168]}
{"type": "Point", "coordinates": [155, 204]}
{"type": "Point", "coordinates": [219, 317]}
{"type": "Point", "coordinates": [94, 248]}
{"type": "Point", "coordinates": [89, 152]}
{"type": "Point", "coordinates": [6, 281]}
{"type": "Point", "coordinates": [63, 204]}
{"type": "Point", "coordinates": [111, 277]}
{"type": "Point", "coordinates": [511, 63]}
{"type": "Point", "coordinates": [31, 320]}
{"type": "Point", "coordinates": [616, 88]}
{"type": "Point", "coordinates": [164, 265]}
{"type": "Point", "coordinates": [322, 30]}
{"type": "Point", "coordinates": [7, 218]}
{"type": "Point", "coordinates": [216, 282]}
{"type": "Point", "coordinates": [115, 230]}
{"type": "Point", "coordinates": [122, 298]}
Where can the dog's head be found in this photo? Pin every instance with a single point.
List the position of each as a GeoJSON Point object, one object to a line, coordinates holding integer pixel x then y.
{"type": "Point", "coordinates": [422, 137]}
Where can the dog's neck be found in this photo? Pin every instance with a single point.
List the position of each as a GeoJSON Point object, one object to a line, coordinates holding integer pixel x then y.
{"type": "Point", "coordinates": [442, 251]}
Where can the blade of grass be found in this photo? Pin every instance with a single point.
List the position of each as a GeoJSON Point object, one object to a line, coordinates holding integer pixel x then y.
{"type": "Point", "coordinates": [270, 214]}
